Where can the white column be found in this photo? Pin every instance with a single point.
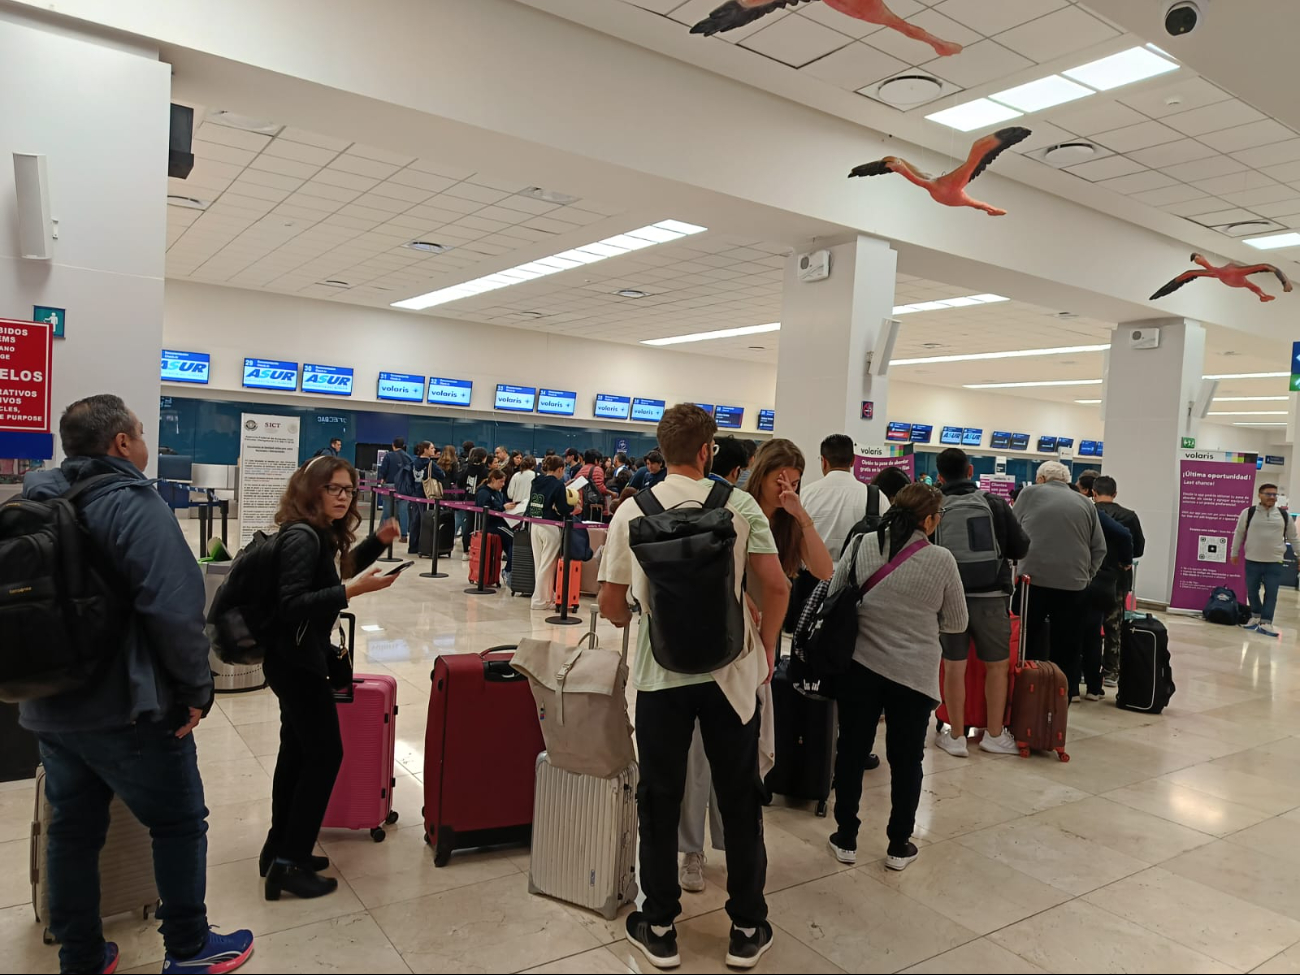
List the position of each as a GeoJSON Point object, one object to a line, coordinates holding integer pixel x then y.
{"type": "Point", "coordinates": [98, 110]}
{"type": "Point", "coordinates": [828, 328]}
{"type": "Point", "coordinates": [1147, 403]}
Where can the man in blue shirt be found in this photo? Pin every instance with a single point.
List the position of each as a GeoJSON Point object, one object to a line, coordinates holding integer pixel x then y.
{"type": "Point", "coordinates": [397, 470]}
{"type": "Point", "coordinates": [653, 473]}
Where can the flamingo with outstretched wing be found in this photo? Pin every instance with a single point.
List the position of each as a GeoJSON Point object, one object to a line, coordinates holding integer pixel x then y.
{"type": "Point", "coordinates": [1233, 275]}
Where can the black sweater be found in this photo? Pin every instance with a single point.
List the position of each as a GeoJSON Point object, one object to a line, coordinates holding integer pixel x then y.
{"type": "Point", "coordinates": [549, 498]}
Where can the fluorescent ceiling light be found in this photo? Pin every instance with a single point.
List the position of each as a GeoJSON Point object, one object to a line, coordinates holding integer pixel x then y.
{"type": "Point", "coordinates": [1017, 354]}
{"type": "Point", "coordinates": [724, 333]}
{"type": "Point", "coordinates": [961, 302]}
{"type": "Point", "coordinates": [1041, 382]}
{"type": "Point", "coordinates": [1274, 242]}
{"type": "Point", "coordinates": [974, 115]}
{"type": "Point", "coordinates": [1251, 399]}
{"type": "Point", "coordinates": [1088, 402]}
{"type": "Point", "coordinates": [1043, 93]}
{"type": "Point", "coordinates": [1124, 68]}
{"type": "Point", "coordinates": [371, 628]}
{"type": "Point", "coordinates": [1252, 424]}
{"type": "Point", "coordinates": [1250, 375]}
{"type": "Point", "coordinates": [601, 250]}
{"type": "Point", "coordinates": [1248, 413]}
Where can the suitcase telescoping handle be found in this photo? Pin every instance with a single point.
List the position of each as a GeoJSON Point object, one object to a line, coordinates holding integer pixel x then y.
{"type": "Point", "coordinates": [593, 641]}
{"type": "Point", "coordinates": [1024, 618]}
{"type": "Point", "coordinates": [351, 620]}
{"type": "Point", "coordinates": [500, 671]}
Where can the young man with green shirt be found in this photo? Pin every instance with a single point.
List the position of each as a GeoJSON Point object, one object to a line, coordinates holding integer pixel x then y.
{"type": "Point", "coordinates": [725, 703]}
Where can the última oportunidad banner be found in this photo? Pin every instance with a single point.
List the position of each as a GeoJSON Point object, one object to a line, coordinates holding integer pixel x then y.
{"type": "Point", "coordinates": [1214, 487]}
{"type": "Point", "coordinates": [870, 461]}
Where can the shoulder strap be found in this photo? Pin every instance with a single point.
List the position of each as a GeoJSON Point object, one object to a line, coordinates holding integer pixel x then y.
{"type": "Point", "coordinates": [718, 495]}
{"type": "Point", "coordinates": [881, 574]}
{"type": "Point", "coordinates": [1250, 516]}
{"type": "Point", "coordinates": [75, 493]}
{"type": "Point", "coordinates": [648, 503]}
{"type": "Point", "coordinates": [873, 501]}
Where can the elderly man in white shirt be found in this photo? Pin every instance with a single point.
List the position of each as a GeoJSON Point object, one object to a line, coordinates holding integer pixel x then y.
{"type": "Point", "coordinates": [839, 500]}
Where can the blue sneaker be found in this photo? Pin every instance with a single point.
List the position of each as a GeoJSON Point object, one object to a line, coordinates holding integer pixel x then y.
{"type": "Point", "coordinates": [111, 958]}
{"type": "Point", "coordinates": [220, 953]}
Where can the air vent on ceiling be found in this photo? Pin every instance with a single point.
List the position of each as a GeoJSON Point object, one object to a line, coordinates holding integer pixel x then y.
{"type": "Point", "coordinates": [1243, 228]}
{"type": "Point", "coordinates": [427, 246]}
{"type": "Point", "coordinates": [246, 122]}
{"type": "Point", "coordinates": [630, 293]}
{"type": "Point", "coordinates": [336, 283]}
{"type": "Point", "coordinates": [547, 196]}
{"type": "Point", "coordinates": [188, 202]}
{"type": "Point", "coordinates": [907, 91]}
{"type": "Point", "coordinates": [1071, 153]}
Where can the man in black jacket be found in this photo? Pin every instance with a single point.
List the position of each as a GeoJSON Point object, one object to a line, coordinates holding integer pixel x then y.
{"type": "Point", "coordinates": [1104, 490]}
{"type": "Point", "coordinates": [990, 625]}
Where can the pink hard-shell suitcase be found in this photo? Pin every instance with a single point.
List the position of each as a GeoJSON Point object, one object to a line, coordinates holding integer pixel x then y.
{"type": "Point", "coordinates": [363, 791]}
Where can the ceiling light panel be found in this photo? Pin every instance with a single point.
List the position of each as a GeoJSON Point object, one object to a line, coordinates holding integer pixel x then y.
{"type": "Point", "coordinates": [964, 301]}
{"type": "Point", "coordinates": [601, 250]}
{"type": "Point", "coordinates": [1017, 354]}
{"type": "Point", "coordinates": [1274, 242]}
{"type": "Point", "coordinates": [1250, 375]}
{"type": "Point", "coordinates": [725, 333]}
{"type": "Point", "coordinates": [1038, 383]}
{"type": "Point", "coordinates": [1124, 68]}
{"type": "Point", "coordinates": [1043, 93]}
{"type": "Point", "coordinates": [1251, 399]}
{"type": "Point", "coordinates": [977, 114]}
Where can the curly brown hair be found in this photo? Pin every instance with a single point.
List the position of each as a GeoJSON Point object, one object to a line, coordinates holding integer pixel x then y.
{"type": "Point", "coordinates": [301, 501]}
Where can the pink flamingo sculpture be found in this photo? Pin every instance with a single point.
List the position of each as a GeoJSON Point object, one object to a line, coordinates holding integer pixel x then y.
{"type": "Point", "coordinates": [1233, 275]}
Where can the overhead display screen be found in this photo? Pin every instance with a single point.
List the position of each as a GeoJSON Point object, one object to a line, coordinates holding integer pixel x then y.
{"type": "Point", "coordinates": [185, 367]}
{"type": "Point", "coordinates": [767, 420]}
{"type": "Point", "coordinates": [1000, 440]}
{"type": "Point", "coordinates": [450, 392]}
{"type": "Point", "coordinates": [951, 436]}
{"type": "Point", "coordinates": [899, 432]}
{"type": "Point", "coordinates": [1020, 441]}
{"type": "Point", "coordinates": [611, 407]}
{"type": "Point", "coordinates": [729, 417]}
{"type": "Point", "coordinates": [271, 374]}
{"type": "Point", "coordinates": [706, 407]}
{"type": "Point", "coordinates": [1088, 448]}
{"type": "Point", "coordinates": [972, 436]}
{"type": "Point", "coordinates": [515, 399]}
{"type": "Point", "coordinates": [556, 402]}
{"type": "Point", "coordinates": [401, 386]}
{"type": "Point", "coordinates": [328, 380]}
{"type": "Point", "coordinates": [922, 432]}
{"type": "Point", "coordinates": [1064, 443]}
{"type": "Point", "coordinates": [648, 410]}
{"type": "Point", "coordinates": [1047, 445]}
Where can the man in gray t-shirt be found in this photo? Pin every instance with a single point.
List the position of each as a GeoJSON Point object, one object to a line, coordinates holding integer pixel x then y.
{"type": "Point", "coordinates": [1262, 535]}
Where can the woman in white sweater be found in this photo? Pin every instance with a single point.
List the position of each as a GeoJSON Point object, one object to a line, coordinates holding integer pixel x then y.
{"type": "Point", "coordinates": [521, 489]}
{"type": "Point", "coordinates": [917, 594]}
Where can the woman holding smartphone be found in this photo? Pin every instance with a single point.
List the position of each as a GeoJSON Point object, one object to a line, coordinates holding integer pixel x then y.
{"type": "Point", "coordinates": [318, 521]}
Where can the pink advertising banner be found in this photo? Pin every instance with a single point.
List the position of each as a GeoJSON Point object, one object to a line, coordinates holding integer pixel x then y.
{"type": "Point", "coordinates": [1213, 489]}
{"type": "Point", "coordinates": [870, 461]}
{"type": "Point", "coordinates": [999, 485]}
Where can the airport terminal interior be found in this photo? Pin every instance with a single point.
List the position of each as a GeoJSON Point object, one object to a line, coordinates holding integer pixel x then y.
{"type": "Point", "coordinates": [542, 223]}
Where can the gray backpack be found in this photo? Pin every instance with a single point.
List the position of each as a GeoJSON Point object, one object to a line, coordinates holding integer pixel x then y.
{"type": "Point", "coordinates": [968, 531]}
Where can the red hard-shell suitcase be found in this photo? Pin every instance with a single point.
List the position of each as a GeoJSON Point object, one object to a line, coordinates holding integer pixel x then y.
{"type": "Point", "coordinates": [363, 792]}
{"type": "Point", "coordinates": [480, 753]}
{"type": "Point", "coordinates": [491, 571]}
{"type": "Point", "coordinates": [976, 718]}
{"type": "Point", "coordinates": [1040, 706]}
{"type": "Point", "coordinates": [575, 582]}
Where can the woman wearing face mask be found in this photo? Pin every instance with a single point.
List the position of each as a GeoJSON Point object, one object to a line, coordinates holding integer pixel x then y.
{"type": "Point", "coordinates": [310, 566]}
{"type": "Point", "coordinates": [916, 593]}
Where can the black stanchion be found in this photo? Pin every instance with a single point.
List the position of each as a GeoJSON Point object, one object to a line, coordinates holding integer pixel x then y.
{"type": "Point", "coordinates": [480, 589]}
{"type": "Point", "coordinates": [374, 503]}
{"type": "Point", "coordinates": [433, 572]}
{"type": "Point", "coordinates": [204, 515]}
{"type": "Point", "coordinates": [389, 556]}
{"type": "Point", "coordinates": [564, 619]}
{"type": "Point", "coordinates": [225, 521]}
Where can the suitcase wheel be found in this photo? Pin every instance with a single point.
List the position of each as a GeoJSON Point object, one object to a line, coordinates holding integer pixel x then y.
{"type": "Point", "coordinates": [821, 808]}
{"type": "Point", "coordinates": [391, 818]}
{"type": "Point", "coordinates": [378, 835]}
{"type": "Point", "coordinates": [441, 857]}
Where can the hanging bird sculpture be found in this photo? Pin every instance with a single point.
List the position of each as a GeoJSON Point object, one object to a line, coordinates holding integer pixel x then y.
{"type": "Point", "coordinates": [739, 13]}
{"type": "Point", "coordinates": [950, 188]}
{"type": "Point", "coordinates": [1233, 275]}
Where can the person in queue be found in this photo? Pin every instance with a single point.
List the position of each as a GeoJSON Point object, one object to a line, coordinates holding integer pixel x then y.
{"type": "Point", "coordinates": [301, 661]}
{"type": "Point", "coordinates": [426, 466]}
{"type": "Point", "coordinates": [895, 668]}
{"type": "Point", "coordinates": [490, 496]}
{"type": "Point", "coordinates": [473, 475]}
{"type": "Point", "coordinates": [653, 473]}
{"type": "Point", "coordinates": [548, 500]}
{"type": "Point", "coordinates": [891, 480]}
{"type": "Point", "coordinates": [519, 489]}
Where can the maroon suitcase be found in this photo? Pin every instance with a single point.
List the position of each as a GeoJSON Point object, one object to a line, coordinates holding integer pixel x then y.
{"type": "Point", "coordinates": [480, 753]}
{"type": "Point", "coordinates": [492, 568]}
{"type": "Point", "coordinates": [363, 792]}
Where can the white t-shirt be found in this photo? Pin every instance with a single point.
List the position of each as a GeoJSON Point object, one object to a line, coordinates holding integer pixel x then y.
{"type": "Point", "coordinates": [619, 566]}
{"type": "Point", "coordinates": [835, 504]}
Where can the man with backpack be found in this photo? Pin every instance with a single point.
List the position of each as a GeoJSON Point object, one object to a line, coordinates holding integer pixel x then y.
{"type": "Point", "coordinates": [984, 537]}
{"type": "Point", "coordinates": [687, 550]}
{"type": "Point", "coordinates": [126, 727]}
{"type": "Point", "coordinates": [594, 492]}
{"type": "Point", "coordinates": [397, 470]}
{"type": "Point", "coordinates": [1262, 535]}
{"type": "Point", "coordinates": [1104, 490]}
{"type": "Point", "coordinates": [839, 500]}
{"type": "Point", "coordinates": [333, 450]}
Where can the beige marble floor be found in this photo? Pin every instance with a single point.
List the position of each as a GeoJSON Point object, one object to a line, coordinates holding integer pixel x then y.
{"type": "Point", "coordinates": [1168, 844]}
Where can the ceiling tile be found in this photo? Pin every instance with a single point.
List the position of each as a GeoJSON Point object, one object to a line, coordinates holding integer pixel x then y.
{"type": "Point", "coordinates": [1204, 168]}
{"type": "Point", "coordinates": [1284, 207]}
{"type": "Point", "coordinates": [1138, 136]}
{"type": "Point", "coordinates": [1169, 194]}
{"type": "Point", "coordinates": [221, 153]}
{"type": "Point", "coordinates": [295, 134]}
{"type": "Point", "coordinates": [1106, 168]}
{"type": "Point", "coordinates": [1211, 118]}
{"type": "Point", "coordinates": [300, 151]}
{"type": "Point", "coordinates": [1101, 117]}
{"type": "Point", "coordinates": [226, 136]}
{"type": "Point", "coordinates": [479, 194]}
{"type": "Point", "coordinates": [1186, 93]}
{"type": "Point", "coordinates": [854, 66]}
{"type": "Point", "coordinates": [348, 162]}
{"type": "Point", "coordinates": [1286, 172]}
{"type": "Point", "coordinates": [979, 63]}
{"type": "Point", "coordinates": [277, 180]}
{"type": "Point", "coordinates": [1058, 33]}
{"type": "Point", "coordinates": [380, 155]}
{"type": "Point", "coordinates": [795, 41]}
{"type": "Point", "coordinates": [1219, 218]}
{"type": "Point", "coordinates": [991, 16]}
{"type": "Point", "coordinates": [1172, 153]}
{"type": "Point", "coordinates": [320, 188]}
{"type": "Point", "coordinates": [1264, 194]}
{"type": "Point", "coordinates": [918, 52]}
{"type": "Point", "coordinates": [285, 167]}
{"type": "Point", "coordinates": [1193, 207]}
{"type": "Point", "coordinates": [1236, 183]}
{"type": "Point", "coordinates": [411, 195]}
{"type": "Point", "coordinates": [1138, 182]}
{"type": "Point", "coordinates": [1249, 136]}
{"type": "Point", "coordinates": [1279, 152]}
{"type": "Point", "coordinates": [352, 181]}
{"type": "Point", "coordinates": [829, 17]}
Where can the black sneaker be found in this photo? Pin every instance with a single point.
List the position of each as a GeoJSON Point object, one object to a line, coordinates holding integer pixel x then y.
{"type": "Point", "coordinates": [660, 949]}
{"type": "Point", "coordinates": [900, 857]}
{"type": "Point", "coordinates": [873, 762]}
{"type": "Point", "coordinates": [745, 950]}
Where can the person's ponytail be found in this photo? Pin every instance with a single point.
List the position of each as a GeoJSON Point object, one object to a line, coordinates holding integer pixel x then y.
{"type": "Point", "coordinates": [906, 516]}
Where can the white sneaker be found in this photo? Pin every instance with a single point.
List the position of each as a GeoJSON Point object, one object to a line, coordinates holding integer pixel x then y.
{"type": "Point", "coordinates": [1266, 629]}
{"type": "Point", "coordinates": [1003, 744]}
{"type": "Point", "coordinates": [1252, 625]}
{"type": "Point", "coordinates": [951, 745]}
{"type": "Point", "coordinates": [901, 860]}
{"type": "Point", "coordinates": [691, 876]}
{"type": "Point", "coordinates": [464, 556]}
{"type": "Point", "coordinates": [1094, 695]}
{"type": "Point", "coordinates": [841, 854]}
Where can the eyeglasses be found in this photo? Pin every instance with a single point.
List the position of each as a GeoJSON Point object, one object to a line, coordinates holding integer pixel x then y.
{"type": "Point", "coordinates": [339, 491]}
{"type": "Point", "coordinates": [1268, 494]}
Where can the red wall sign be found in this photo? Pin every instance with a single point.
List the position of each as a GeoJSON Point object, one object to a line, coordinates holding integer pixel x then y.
{"type": "Point", "coordinates": [26, 349]}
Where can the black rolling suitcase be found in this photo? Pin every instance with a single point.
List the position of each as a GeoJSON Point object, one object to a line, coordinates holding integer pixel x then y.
{"type": "Point", "coordinates": [1146, 677]}
{"type": "Point", "coordinates": [805, 732]}
{"type": "Point", "coordinates": [446, 534]}
{"type": "Point", "coordinates": [523, 570]}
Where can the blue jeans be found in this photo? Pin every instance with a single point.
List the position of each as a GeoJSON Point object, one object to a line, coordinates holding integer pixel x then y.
{"type": "Point", "coordinates": [402, 515]}
{"type": "Point", "coordinates": [1269, 575]}
{"type": "Point", "coordinates": [157, 776]}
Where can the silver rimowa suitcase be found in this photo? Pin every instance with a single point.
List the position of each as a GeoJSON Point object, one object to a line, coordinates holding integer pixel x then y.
{"type": "Point", "coordinates": [227, 678]}
{"type": "Point", "coordinates": [584, 838]}
{"type": "Point", "coordinates": [126, 880]}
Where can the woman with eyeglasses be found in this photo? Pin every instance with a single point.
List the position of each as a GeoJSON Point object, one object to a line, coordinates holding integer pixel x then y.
{"type": "Point", "coordinates": [914, 593]}
{"type": "Point", "coordinates": [310, 566]}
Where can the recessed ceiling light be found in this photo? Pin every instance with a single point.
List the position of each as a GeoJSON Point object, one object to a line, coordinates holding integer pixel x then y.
{"type": "Point", "coordinates": [1250, 375]}
{"type": "Point", "coordinates": [1016, 354]}
{"type": "Point", "coordinates": [1041, 382]}
{"type": "Point", "coordinates": [723, 333]}
{"type": "Point", "coordinates": [1251, 399]}
{"type": "Point", "coordinates": [246, 122]}
{"type": "Point", "coordinates": [1243, 227]}
{"type": "Point", "coordinates": [658, 233]}
{"type": "Point", "coordinates": [1043, 93]}
{"type": "Point", "coordinates": [1070, 153]}
{"type": "Point", "coordinates": [963, 301]}
{"type": "Point", "coordinates": [1124, 68]}
{"type": "Point", "coordinates": [969, 116]}
{"type": "Point", "coordinates": [1273, 242]}
{"type": "Point", "coordinates": [336, 283]}
{"type": "Point", "coordinates": [1088, 402]}
{"type": "Point", "coordinates": [547, 196]}
{"type": "Point", "coordinates": [909, 89]}
{"type": "Point", "coordinates": [188, 202]}
{"type": "Point", "coordinates": [1247, 413]}
{"type": "Point", "coordinates": [630, 293]}
{"type": "Point", "coordinates": [427, 246]}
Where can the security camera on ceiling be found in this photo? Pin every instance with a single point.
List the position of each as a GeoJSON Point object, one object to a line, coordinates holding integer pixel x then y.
{"type": "Point", "coordinates": [1183, 16]}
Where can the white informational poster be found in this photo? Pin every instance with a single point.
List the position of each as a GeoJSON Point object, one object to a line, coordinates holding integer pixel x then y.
{"type": "Point", "coordinates": [268, 456]}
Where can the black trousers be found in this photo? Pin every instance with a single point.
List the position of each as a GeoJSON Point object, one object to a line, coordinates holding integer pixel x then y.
{"type": "Point", "coordinates": [1070, 612]}
{"type": "Point", "coordinates": [863, 695]}
{"type": "Point", "coordinates": [311, 751]}
{"type": "Point", "coordinates": [665, 724]}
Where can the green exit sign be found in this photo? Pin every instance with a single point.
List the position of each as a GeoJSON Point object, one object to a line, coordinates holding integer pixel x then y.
{"type": "Point", "coordinates": [1189, 443]}
{"type": "Point", "coordinates": [1295, 383]}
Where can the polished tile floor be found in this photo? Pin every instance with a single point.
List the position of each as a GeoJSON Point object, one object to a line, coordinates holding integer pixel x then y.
{"type": "Point", "coordinates": [1168, 844]}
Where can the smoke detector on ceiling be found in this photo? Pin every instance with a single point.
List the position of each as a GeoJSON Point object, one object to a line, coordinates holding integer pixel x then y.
{"type": "Point", "coordinates": [188, 202]}
{"type": "Point", "coordinates": [547, 196]}
{"type": "Point", "coordinates": [246, 122]}
{"type": "Point", "coordinates": [427, 246]}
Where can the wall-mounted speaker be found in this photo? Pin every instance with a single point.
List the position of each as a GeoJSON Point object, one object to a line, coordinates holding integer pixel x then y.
{"type": "Point", "coordinates": [1201, 407]}
{"type": "Point", "coordinates": [878, 358]}
{"type": "Point", "coordinates": [180, 160]}
{"type": "Point", "coordinates": [35, 226]}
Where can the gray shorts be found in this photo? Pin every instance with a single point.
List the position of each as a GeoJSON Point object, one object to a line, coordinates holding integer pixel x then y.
{"type": "Point", "coordinates": [989, 627]}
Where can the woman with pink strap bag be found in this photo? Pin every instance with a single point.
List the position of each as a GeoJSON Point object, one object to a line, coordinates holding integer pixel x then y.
{"type": "Point", "coordinates": [912, 594]}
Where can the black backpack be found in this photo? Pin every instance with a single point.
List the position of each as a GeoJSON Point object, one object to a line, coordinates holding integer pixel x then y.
{"type": "Point", "coordinates": [697, 624]}
{"type": "Point", "coordinates": [61, 620]}
{"type": "Point", "coordinates": [869, 522]}
{"type": "Point", "coordinates": [243, 611]}
{"type": "Point", "coordinates": [591, 496]}
{"type": "Point", "coordinates": [827, 632]}
{"type": "Point", "coordinates": [1224, 608]}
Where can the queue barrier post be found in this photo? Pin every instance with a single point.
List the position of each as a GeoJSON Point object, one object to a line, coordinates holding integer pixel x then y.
{"type": "Point", "coordinates": [564, 619]}
{"type": "Point", "coordinates": [433, 572]}
{"type": "Point", "coordinates": [374, 503]}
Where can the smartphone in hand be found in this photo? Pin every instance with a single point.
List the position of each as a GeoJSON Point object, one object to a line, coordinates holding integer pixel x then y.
{"type": "Point", "coordinates": [395, 570]}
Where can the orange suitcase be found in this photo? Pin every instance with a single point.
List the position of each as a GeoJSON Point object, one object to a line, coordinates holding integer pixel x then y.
{"type": "Point", "coordinates": [575, 583]}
